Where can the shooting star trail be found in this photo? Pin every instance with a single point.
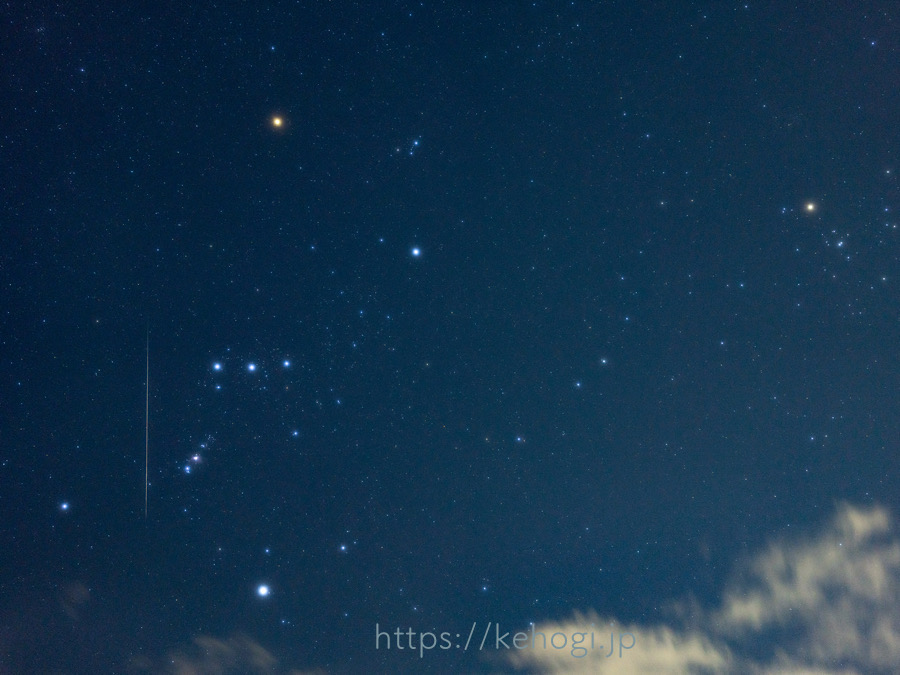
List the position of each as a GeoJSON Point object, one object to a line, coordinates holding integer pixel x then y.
{"type": "Point", "coordinates": [147, 431]}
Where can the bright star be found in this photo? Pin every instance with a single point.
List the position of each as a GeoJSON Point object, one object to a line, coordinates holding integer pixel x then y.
{"type": "Point", "coordinates": [416, 252]}
{"type": "Point", "coordinates": [251, 367]}
{"type": "Point", "coordinates": [64, 506]}
{"type": "Point", "coordinates": [217, 366]}
{"type": "Point", "coordinates": [810, 207]}
{"type": "Point", "coordinates": [263, 591]}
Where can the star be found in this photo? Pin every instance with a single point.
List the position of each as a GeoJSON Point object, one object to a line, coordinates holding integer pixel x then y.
{"type": "Point", "coordinates": [416, 252]}
{"type": "Point", "coordinates": [810, 207]}
{"type": "Point", "coordinates": [263, 591]}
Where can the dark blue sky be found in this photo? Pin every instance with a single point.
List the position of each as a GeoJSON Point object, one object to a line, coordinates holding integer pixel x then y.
{"type": "Point", "coordinates": [650, 324]}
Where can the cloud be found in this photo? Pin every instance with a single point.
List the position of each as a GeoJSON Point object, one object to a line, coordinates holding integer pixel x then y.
{"type": "Point", "coordinates": [828, 605]}
{"type": "Point", "coordinates": [74, 597]}
{"type": "Point", "coordinates": [238, 655]}
{"type": "Point", "coordinates": [657, 649]}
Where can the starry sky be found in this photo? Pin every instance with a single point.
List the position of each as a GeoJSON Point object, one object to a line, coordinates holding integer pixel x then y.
{"type": "Point", "coordinates": [533, 313]}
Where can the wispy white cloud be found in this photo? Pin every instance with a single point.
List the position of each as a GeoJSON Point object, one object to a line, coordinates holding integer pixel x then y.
{"type": "Point", "coordinates": [827, 604]}
{"type": "Point", "coordinates": [657, 649]}
{"type": "Point", "coordinates": [237, 655]}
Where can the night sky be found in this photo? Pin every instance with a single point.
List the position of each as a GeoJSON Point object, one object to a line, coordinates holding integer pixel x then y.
{"type": "Point", "coordinates": [553, 313]}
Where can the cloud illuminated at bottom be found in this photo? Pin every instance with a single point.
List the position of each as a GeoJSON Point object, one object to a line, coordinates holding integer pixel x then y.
{"type": "Point", "coordinates": [827, 604]}
{"type": "Point", "coordinates": [236, 654]}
